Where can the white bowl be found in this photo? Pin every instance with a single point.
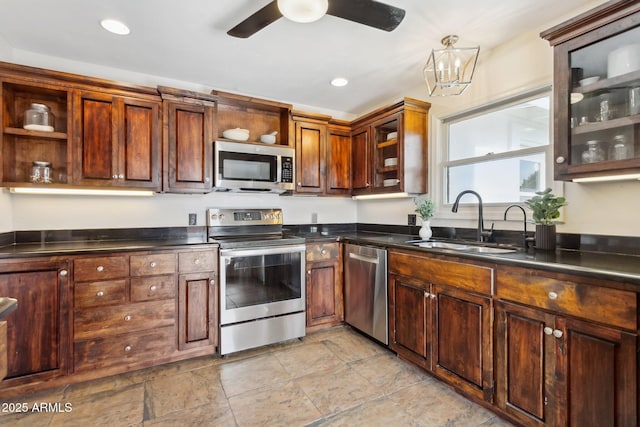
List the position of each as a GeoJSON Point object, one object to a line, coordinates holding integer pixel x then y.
{"type": "Point", "coordinates": [589, 80]}
{"type": "Point", "coordinates": [389, 182]}
{"type": "Point", "coordinates": [391, 161]}
{"type": "Point", "coordinates": [268, 139]}
{"type": "Point", "coordinates": [392, 135]}
{"type": "Point", "coordinates": [623, 60]}
{"type": "Point", "coordinates": [236, 134]}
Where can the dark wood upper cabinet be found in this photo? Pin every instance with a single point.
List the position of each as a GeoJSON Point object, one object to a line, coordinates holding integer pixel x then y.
{"type": "Point", "coordinates": [338, 163]}
{"type": "Point", "coordinates": [188, 119]}
{"type": "Point", "coordinates": [390, 149]}
{"type": "Point", "coordinates": [311, 146]}
{"type": "Point", "coordinates": [597, 121]}
{"type": "Point", "coordinates": [117, 141]}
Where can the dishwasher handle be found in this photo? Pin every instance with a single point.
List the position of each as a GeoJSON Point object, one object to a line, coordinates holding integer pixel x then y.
{"type": "Point", "coordinates": [368, 259]}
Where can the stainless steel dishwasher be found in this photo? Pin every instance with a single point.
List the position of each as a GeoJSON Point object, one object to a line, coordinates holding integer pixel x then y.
{"type": "Point", "coordinates": [365, 290]}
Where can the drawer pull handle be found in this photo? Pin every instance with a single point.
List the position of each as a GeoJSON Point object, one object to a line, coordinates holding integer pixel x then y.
{"type": "Point", "coordinates": [127, 318]}
{"type": "Point", "coordinates": [100, 294]}
{"type": "Point", "coordinates": [557, 333]}
{"type": "Point", "coordinates": [100, 268]}
{"type": "Point", "coordinates": [553, 295]}
{"type": "Point", "coordinates": [128, 348]}
{"type": "Point", "coordinates": [153, 288]}
{"type": "Point", "coordinates": [323, 251]}
{"type": "Point", "coordinates": [152, 264]}
{"type": "Point", "coordinates": [196, 261]}
{"type": "Point", "coordinates": [548, 331]}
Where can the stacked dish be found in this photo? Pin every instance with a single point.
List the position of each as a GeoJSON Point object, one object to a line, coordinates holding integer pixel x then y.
{"type": "Point", "coordinates": [236, 134]}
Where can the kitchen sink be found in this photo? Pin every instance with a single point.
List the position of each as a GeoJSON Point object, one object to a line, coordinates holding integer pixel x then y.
{"type": "Point", "coordinates": [462, 247]}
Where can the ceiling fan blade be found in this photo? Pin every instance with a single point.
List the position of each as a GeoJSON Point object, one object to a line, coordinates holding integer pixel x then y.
{"type": "Point", "coordinates": [257, 21]}
{"type": "Point", "coordinates": [367, 12]}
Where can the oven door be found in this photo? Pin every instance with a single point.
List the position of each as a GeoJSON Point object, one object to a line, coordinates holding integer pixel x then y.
{"type": "Point", "coordinates": [261, 282]}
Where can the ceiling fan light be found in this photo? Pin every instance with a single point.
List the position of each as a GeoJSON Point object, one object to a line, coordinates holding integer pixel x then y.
{"type": "Point", "coordinates": [303, 11]}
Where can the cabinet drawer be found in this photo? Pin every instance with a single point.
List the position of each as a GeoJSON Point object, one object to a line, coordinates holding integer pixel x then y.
{"type": "Point", "coordinates": [474, 278]}
{"type": "Point", "coordinates": [189, 262]}
{"type": "Point", "coordinates": [110, 321]}
{"type": "Point", "coordinates": [153, 288]}
{"type": "Point", "coordinates": [605, 305]}
{"type": "Point", "coordinates": [125, 348]}
{"type": "Point", "coordinates": [147, 265]}
{"type": "Point", "coordinates": [100, 268]}
{"type": "Point", "coordinates": [94, 294]}
{"type": "Point", "coordinates": [322, 251]}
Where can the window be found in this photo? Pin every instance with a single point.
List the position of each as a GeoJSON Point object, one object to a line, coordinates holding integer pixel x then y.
{"type": "Point", "coordinates": [499, 150]}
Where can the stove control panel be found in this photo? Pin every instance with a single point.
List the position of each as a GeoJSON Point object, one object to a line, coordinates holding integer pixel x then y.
{"type": "Point", "coordinates": [234, 217]}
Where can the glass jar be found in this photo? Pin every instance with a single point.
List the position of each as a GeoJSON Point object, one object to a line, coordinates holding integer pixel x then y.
{"type": "Point", "coordinates": [619, 148]}
{"type": "Point", "coordinates": [41, 172]}
{"type": "Point", "coordinates": [594, 153]}
{"type": "Point", "coordinates": [38, 117]}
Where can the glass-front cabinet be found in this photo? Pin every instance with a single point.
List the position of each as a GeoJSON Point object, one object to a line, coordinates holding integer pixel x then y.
{"type": "Point", "coordinates": [597, 92]}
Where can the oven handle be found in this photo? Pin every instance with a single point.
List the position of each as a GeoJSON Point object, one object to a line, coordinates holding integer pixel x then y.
{"type": "Point", "coordinates": [269, 250]}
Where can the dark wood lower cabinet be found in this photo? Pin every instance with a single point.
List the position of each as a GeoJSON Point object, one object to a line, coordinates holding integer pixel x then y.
{"type": "Point", "coordinates": [410, 319]}
{"type": "Point", "coordinates": [324, 294]}
{"type": "Point", "coordinates": [38, 331]}
{"type": "Point", "coordinates": [197, 320]}
{"type": "Point", "coordinates": [463, 347]}
{"type": "Point", "coordinates": [559, 371]}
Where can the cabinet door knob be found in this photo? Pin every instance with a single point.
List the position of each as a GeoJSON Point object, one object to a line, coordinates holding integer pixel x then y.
{"type": "Point", "coordinates": [121, 176]}
{"type": "Point", "coordinates": [115, 176]}
{"type": "Point", "coordinates": [100, 294]}
{"type": "Point", "coordinates": [553, 295]}
{"type": "Point", "coordinates": [557, 333]}
{"type": "Point", "coordinates": [560, 159]}
{"type": "Point", "coordinates": [548, 331]}
{"type": "Point", "coordinates": [207, 179]}
{"type": "Point", "coordinates": [196, 261]}
{"type": "Point", "coordinates": [63, 272]}
{"type": "Point", "coordinates": [100, 268]}
{"type": "Point", "coordinates": [128, 348]}
{"type": "Point", "coordinates": [153, 288]}
{"type": "Point", "coordinates": [127, 318]}
{"type": "Point", "coordinates": [212, 281]}
{"type": "Point", "coordinates": [323, 251]}
{"type": "Point", "coordinates": [152, 264]}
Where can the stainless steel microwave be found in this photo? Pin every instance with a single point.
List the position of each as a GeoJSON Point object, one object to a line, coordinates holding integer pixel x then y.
{"type": "Point", "coordinates": [253, 167]}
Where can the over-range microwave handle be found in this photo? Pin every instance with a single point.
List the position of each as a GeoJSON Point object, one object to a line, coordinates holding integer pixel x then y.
{"type": "Point", "coordinates": [279, 169]}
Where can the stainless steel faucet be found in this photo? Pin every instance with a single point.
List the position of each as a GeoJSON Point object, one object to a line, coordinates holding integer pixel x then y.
{"type": "Point", "coordinates": [482, 235]}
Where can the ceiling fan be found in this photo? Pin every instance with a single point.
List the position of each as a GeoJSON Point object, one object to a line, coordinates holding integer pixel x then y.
{"type": "Point", "coordinates": [366, 12]}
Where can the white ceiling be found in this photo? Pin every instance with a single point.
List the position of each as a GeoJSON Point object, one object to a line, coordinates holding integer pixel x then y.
{"type": "Point", "coordinates": [187, 41]}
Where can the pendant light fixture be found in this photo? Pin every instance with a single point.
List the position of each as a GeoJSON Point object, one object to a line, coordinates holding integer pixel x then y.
{"type": "Point", "coordinates": [448, 71]}
{"type": "Point", "coordinates": [303, 11]}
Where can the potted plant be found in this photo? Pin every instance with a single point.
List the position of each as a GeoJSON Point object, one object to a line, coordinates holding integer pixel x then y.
{"type": "Point", "coordinates": [545, 207]}
{"type": "Point", "coordinates": [425, 209]}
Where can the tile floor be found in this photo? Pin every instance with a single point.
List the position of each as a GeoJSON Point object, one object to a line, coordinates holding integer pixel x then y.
{"type": "Point", "coordinates": [331, 378]}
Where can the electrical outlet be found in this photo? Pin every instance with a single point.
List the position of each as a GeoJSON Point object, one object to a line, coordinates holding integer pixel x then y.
{"type": "Point", "coordinates": [193, 219]}
{"type": "Point", "coordinates": [314, 218]}
{"type": "Point", "coordinates": [411, 220]}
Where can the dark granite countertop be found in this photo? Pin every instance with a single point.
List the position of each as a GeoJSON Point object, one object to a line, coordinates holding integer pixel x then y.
{"type": "Point", "coordinates": [621, 267]}
{"type": "Point", "coordinates": [595, 264]}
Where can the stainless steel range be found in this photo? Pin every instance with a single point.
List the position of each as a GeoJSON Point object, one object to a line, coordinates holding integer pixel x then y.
{"type": "Point", "coordinates": [262, 288]}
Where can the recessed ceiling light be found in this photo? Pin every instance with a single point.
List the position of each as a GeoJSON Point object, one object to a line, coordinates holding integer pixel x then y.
{"type": "Point", "coordinates": [115, 27]}
{"type": "Point", "coordinates": [339, 82]}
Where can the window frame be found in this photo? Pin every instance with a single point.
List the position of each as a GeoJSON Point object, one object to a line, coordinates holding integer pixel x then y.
{"type": "Point", "coordinates": [493, 212]}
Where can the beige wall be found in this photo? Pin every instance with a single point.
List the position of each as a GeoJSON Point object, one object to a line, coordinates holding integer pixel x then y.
{"type": "Point", "coordinates": [523, 63]}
